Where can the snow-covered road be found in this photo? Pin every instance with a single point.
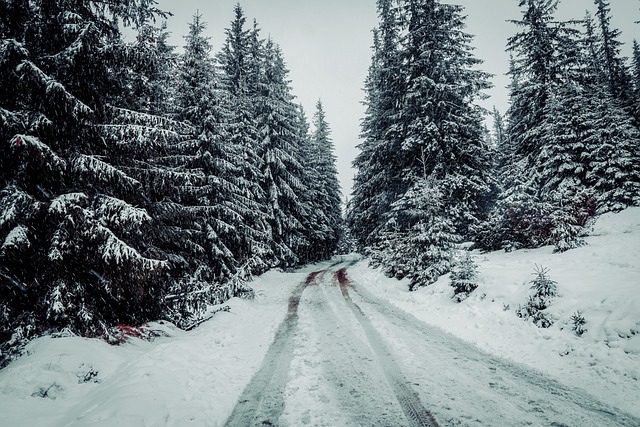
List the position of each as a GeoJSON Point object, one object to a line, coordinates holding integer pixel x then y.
{"type": "Point", "coordinates": [342, 357]}
{"type": "Point", "coordinates": [324, 346]}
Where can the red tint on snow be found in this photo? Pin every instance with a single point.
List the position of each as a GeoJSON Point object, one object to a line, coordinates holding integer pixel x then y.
{"type": "Point", "coordinates": [344, 282]}
{"type": "Point", "coordinates": [342, 277]}
{"type": "Point", "coordinates": [312, 277]}
{"type": "Point", "coordinates": [18, 141]}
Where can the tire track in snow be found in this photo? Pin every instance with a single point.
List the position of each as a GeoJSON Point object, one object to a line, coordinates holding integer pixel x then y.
{"type": "Point", "coordinates": [531, 397]}
{"type": "Point", "coordinates": [343, 383]}
{"type": "Point", "coordinates": [262, 401]}
{"type": "Point", "coordinates": [417, 414]}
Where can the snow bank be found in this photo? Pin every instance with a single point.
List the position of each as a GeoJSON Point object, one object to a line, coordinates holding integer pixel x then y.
{"type": "Point", "coordinates": [600, 280]}
{"type": "Point", "coordinates": [180, 378]}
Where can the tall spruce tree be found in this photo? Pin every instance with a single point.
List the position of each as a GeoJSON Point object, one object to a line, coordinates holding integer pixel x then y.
{"type": "Point", "coordinates": [443, 128]}
{"type": "Point", "coordinates": [421, 131]}
{"type": "Point", "coordinates": [563, 118]}
{"type": "Point", "coordinates": [280, 150]}
{"type": "Point", "coordinates": [241, 65]}
{"type": "Point", "coordinates": [328, 195]}
{"type": "Point", "coordinates": [614, 65]}
{"type": "Point", "coordinates": [379, 179]}
{"type": "Point", "coordinates": [78, 239]}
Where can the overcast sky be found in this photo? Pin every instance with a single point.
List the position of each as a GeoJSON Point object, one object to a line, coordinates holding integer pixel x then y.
{"type": "Point", "coordinates": [327, 47]}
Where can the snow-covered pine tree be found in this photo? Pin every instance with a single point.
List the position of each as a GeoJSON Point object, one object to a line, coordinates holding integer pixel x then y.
{"type": "Point", "coordinates": [418, 240]}
{"type": "Point", "coordinates": [379, 166]}
{"type": "Point", "coordinates": [541, 164]}
{"type": "Point", "coordinates": [213, 184]}
{"type": "Point", "coordinates": [240, 63]}
{"type": "Point", "coordinates": [464, 277]}
{"type": "Point", "coordinates": [149, 74]}
{"type": "Point", "coordinates": [635, 74]}
{"type": "Point", "coordinates": [613, 65]}
{"type": "Point", "coordinates": [544, 290]}
{"type": "Point", "coordinates": [421, 126]}
{"type": "Point", "coordinates": [281, 153]}
{"type": "Point", "coordinates": [76, 248]}
{"type": "Point", "coordinates": [316, 225]}
{"type": "Point", "coordinates": [443, 129]}
{"type": "Point", "coordinates": [534, 70]}
{"type": "Point", "coordinates": [195, 76]}
{"type": "Point", "coordinates": [328, 196]}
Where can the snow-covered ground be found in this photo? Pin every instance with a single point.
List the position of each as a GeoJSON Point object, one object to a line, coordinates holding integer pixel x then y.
{"type": "Point", "coordinates": [186, 378]}
{"type": "Point", "coordinates": [601, 280]}
{"type": "Point", "coordinates": [334, 349]}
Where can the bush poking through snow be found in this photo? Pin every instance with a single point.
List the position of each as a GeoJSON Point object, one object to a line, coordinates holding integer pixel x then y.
{"type": "Point", "coordinates": [579, 323]}
{"type": "Point", "coordinates": [544, 289]}
{"type": "Point", "coordinates": [464, 277]}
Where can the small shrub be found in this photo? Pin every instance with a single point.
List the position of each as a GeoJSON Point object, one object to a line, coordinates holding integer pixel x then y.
{"type": "Point", "coordinates": [464, 277]}
{"type": "Point", "coordinates": [544, 289]}
{"type": "Point", "coordinates": [579, 323]}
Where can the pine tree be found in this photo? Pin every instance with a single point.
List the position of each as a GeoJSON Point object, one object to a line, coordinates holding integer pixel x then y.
{"type": "Point", "coordinates": [444, 130]}
{"type": "Point", "coordinates": [543, 170]}
{"type": "Point", "coordinates": [464, 277]}
{"type": "Point", "coordinates": [328, 191]}
{"type": "Point", "coordinates": [422, 129]}
{"type": "Point", "coordinates": [280, 151]}
{"type": "Point", "coordinates": [77, 235]}
{"type": "Point", "coordinates": [613, 65]}
{"type": "Point", "coordinates": [544, 289]}
{"type": "Point", "coordinates": [196, 73]}
{"type": "Point", "coordinates": [240, 63]}
{"type": "Point", "coordinates": [379, 165]}
{"type": "Point", "coordinates": [635, 73]}
{"type": "Point", "coordinates": [418, 240]}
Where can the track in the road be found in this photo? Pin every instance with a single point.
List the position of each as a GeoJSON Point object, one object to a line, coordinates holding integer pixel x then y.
{"type": "Point", "coordinates": [359, 352]}
{"type": "Point", "coordinates": [262, 401]}
{"type": "Point", "coordinates": [408, 399]}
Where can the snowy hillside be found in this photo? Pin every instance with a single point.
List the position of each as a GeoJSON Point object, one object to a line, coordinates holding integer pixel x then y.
{"type": "Point", "coordinates": [601, 280]}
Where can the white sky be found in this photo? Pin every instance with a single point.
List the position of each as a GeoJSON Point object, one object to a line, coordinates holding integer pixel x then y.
{"type": "Point", "coordinates": [327, 47]}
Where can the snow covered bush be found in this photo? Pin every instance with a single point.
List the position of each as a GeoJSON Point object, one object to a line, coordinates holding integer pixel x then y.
{"type": "Point", "coordinates": [464, 277]}
{"type": "Point", "coordinates": [579, 323]}
{"type": "Point", "coordinates": [419, 239]}
{"type": "Point", "coordinates": [544, 289]}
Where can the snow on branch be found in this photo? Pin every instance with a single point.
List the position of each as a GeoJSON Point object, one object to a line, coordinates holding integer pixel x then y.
{"type": "Point", "coordinates": [85, 165]}
{"type": "Point", "coordinates": [53, 89]}
{"type": "Point", "coordinates": [116, 251]}
{"type": "Point", "coordinates": [16, 239]}
{"type": "Point", "coordinates": [16, 205]}
{"type": "Point", "coordinates": [47, 158]}
{"type": "Point", "coordinates": [138, 136]}
{"type": "Point", "coordinates": [120, 213]}
{"type": "Point", "coordinates": [131, 117]}
{"type": "Point", "coordinates": [61, 204]}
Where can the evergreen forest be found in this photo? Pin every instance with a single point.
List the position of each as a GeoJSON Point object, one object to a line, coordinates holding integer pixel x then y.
{"type": "Point", "coordinates": [432, 179]}
{"type": "Point", "coordinates": [140, 182]}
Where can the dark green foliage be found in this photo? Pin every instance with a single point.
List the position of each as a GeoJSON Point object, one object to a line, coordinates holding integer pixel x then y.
{"type": "Point", "coordinates": [544, 290]}
{"type": "Point", "coordinates": [418, 241]}
{"type": "Point", "coordinates": [572, 147]}
{"type": "Point", "coordinates": [424, 174]}
{"type": "Point", "coordinates": [78, 239]}
{"type": "Point", "coordinates": [578, 323]}
{"type": "Point", "coordinates": [464, 277]}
